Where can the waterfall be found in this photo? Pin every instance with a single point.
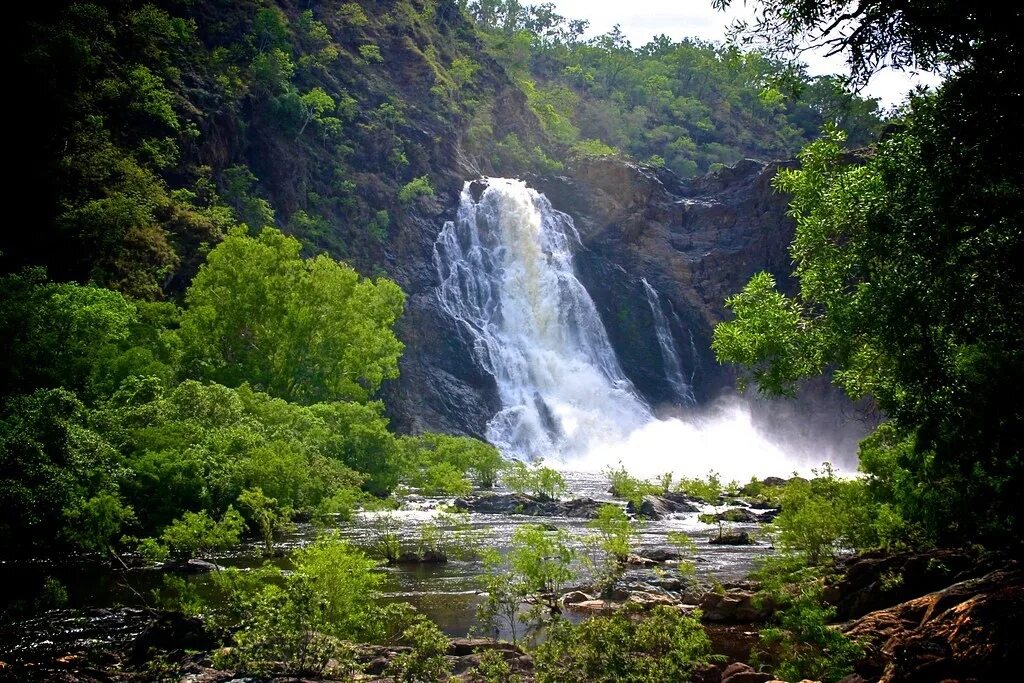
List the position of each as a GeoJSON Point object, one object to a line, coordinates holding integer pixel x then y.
{"type": "Point", "coordinates": [669, 354]}
{"type": "Point", "coordinates": [506, 270]}
{"type": "Point", "coordinates": [505, 266]}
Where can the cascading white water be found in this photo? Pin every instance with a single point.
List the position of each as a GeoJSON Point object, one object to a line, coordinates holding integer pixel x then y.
{"type": "Point", "coordinates": [666, 343]}
{"type": "Point", "coordinates": [506, 272]}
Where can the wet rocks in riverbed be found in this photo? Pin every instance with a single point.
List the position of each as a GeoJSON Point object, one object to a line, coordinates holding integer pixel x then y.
{"type": "Point", "coordinates": [731, 538]}
{"type": "Point", "coordinates": [429, 556]}
{"type": "Point", "coordinates": [734, 606]}
{"type": "Point", "coordinates": [659, 507]}
{"type": "Point", "coordinates": [522, 504]}
{"type": "Point", "coordinates": [743, 515]}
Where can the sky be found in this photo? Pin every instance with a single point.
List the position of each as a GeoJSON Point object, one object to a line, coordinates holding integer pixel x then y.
{"type": "Point", "coordinates": [641, 20]}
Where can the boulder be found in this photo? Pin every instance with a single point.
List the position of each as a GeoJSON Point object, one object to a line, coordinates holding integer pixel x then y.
{"type": "Point", "coordinates": [575, 597]}
{"type": "Point", "coordinates": [460, 647]}
{"type": "Point", "coordinates": [660, 507]}
{"type": "Point", "coordinates": [592, 606]}
{"type": "Point", "coordinates": [662, 554]}
{"type": "Point", "coordinates": [738, 515]}
{"type": "Point", "coordinates": [172, 631]}
{"type": "Point", "coordinates": [970, 630]}
{"type": "Point", "coordinates": [522, 504]}
{"type": "Point", "coordinates": [732, 538]}
{"type": "Point", "coordinates": [738, 672]}
{"type": "Point", "coordinates": [734, 606]}
{"type": "Point", "coordinates": [873, 581]}
{"type": "Point", "coordinates": [647, 600]}
{"type": "Point", "coordinates": [639, 561]}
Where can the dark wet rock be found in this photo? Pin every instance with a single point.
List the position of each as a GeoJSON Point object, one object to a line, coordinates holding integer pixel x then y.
{"type": "Point", "coordinates": [660, 507]}
{"type": "Point", "coordinates": [662, 554]}
{"type": "Point", "coordinates": [522, 504]}
{"type": "Point", "coordinates": [707, 673]}
{"type": "Point", "coordinates": [640, 561]}
{"type": "Point", "coordinates": [734, 606]}
{"type": "Point", "coordinates": [735, 642]}
{"type": "Point", "coordinates": [732, 538]}
{"type": "Point", "coordinates": [738, 672]}
{"type": "Point", "coordinates": [476, 189]}
{"type": "Point", "coordinates": [877, 580]}
{"type": "Point", "coordinates": [740, 515]}
{"type": "Point", "coordinates": [426, 557]}
{"type": "Point", "coordinates": [969, 631]}
{"type": "Point", "coordinates": [746, 515]}
{"type": "Point", "coordinates": [191, 566]}
{"type": "Point", "coordinates": [172, 631]}
{"type": "Point", "coordinates": [460, 647]}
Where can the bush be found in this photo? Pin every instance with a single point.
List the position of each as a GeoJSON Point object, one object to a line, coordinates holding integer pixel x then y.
{"type": "Point", "coordinates": [802, 645]}
{"type": "Point", "coordinates": [613, 535]}
{"type": "Point", "coordinates": [628, 487]}
{"type": "Point", "coordinates": [417, 187]}
{"type": "Point", "coordinates": [539, 481]}
{"type": "Point", "coordinates": [707, 489]}
{"type": "Point", "coordinates": [663, 646]}
{"type": "Point", "coordinates": [268, 518]}
{"type": "Point", "coordinates": [196, 534]}
{"type": "Point", "coordinates": [826, 515]}
{"type": "Point", "coordinates": [426, 663]}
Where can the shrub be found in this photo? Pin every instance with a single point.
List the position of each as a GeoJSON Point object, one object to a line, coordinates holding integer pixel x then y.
{"type": "Point", "coordinates": [426, 662]}
{"type": "Point", "coordinates": [802, 645]}
{"type": "Point", "coordinates": [826, 515]}
{"type": "Point", "coordinates": [628, 487]}
{"type": "Point", "coordinates": [539, 481]}
{"type": "Point", "coordinates": [269, 519]}
{"type": "Point", "coordinates": [613, 535]}
{"type": "Point", "coordinates": [417, 187]}
{"type": "Point", "coordinates": [196, 534]}
{"type": "Point", "coordinates": [707, 489]}
{"type": "Point", "coordinates": [663, 646]}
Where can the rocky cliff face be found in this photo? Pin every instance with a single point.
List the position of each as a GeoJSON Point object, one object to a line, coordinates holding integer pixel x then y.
{"type": "Point", "coordinates": [695, 242]}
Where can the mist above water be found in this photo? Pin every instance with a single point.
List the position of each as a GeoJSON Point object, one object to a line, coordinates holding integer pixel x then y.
{"type": "Point", "coordinates": [506, 270]}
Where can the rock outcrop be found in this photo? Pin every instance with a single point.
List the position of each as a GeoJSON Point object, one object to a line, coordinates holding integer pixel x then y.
{"type": "Point", "coordinates": [969, 631]}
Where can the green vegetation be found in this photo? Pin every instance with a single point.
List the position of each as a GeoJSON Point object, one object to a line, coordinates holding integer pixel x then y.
{"type": "Point", "coordinates": [903, 258]}
{"type": "Point", "coordinates": [536, 480]}
{"type": "Point", "coordinates": [109, 431]}
{"type": "Point", "coordinates": [664, 645]}
{"type": "Point", "coordinates": [612, 538]}
{"type": "Point", "coordinates": [536, 568]}
{"type": "Point", "coordinates": [689, 104]}
{"type": "Point", "coordinates": [308, 619]}
{"type": "Point", "coordinates": [439, 464]}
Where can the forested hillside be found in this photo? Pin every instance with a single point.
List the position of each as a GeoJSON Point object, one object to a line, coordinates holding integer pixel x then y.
{"type": "Point", "coordinates": [157, 126]}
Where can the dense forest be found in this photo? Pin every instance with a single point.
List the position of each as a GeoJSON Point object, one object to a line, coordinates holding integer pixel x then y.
{"type": "Point", "coordinates": [199, 312]}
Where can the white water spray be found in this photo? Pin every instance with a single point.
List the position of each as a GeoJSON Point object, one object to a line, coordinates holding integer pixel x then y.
{"type": "Point", "coordinates": [506, 270]}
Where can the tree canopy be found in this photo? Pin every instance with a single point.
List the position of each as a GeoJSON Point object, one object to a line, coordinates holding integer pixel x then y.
{"type": "Point", "coordinates": [306, 330]}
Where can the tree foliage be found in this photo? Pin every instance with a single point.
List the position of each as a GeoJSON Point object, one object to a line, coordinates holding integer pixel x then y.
{"type": "Point", "coordinates": [908, 262]}
{"type": "Point", "coordinates": [305, 330]}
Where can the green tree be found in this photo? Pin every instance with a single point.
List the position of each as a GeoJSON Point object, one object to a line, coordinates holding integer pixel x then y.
{"type": "Point", "coordinates": [305, 330]}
